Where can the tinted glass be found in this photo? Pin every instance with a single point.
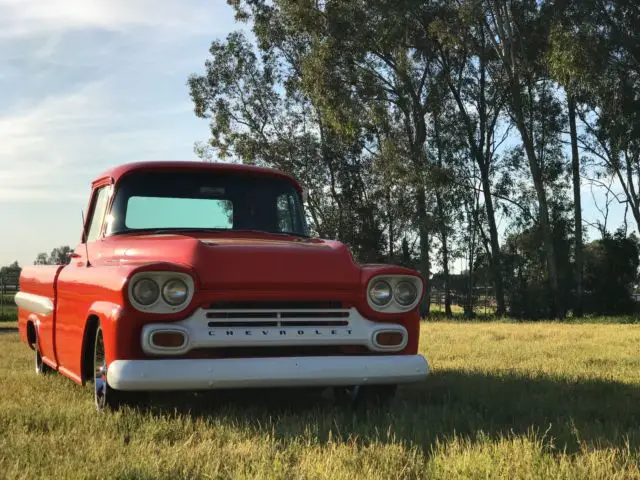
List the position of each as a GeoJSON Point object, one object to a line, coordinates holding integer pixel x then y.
{"type": "Point", "coordinates": [206, 200]}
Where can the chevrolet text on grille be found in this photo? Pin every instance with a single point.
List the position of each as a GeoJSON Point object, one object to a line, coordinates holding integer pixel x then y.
{"type": "Point", "coordinates": [281, 332]}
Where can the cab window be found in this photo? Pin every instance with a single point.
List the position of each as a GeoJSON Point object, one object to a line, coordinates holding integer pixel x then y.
{"type": "Point", "coordinates": [97, 215]}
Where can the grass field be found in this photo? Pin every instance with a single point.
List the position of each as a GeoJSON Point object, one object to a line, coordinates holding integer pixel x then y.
{"type": "Point", "coordinates": [503, 401]}
{"type": "Point", "coordinates": [8, 309]}
{"type": "Point", "coordinates": [8, 313]}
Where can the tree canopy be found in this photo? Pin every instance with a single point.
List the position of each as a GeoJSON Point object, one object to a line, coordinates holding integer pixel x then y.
{"type": "Point", "coordinates": [434, 134]}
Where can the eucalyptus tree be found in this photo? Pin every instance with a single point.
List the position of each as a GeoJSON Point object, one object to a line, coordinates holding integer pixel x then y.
{"type": "Point", "coordinates": [369, 67]}
{"type": "Point", "coordinates": [258, 115]}
{"type": "Point", "coordinates": [595, 54]}
{"type": "Point", "coordinates": [596, 51]}
{"type": "Point", "coordinates": [471, 73]}
{"type": "Point", "coordinates": [518, 35]}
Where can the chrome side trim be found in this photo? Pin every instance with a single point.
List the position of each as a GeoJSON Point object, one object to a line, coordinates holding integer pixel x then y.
{"type": "Point", "coordinates": [34, 303]}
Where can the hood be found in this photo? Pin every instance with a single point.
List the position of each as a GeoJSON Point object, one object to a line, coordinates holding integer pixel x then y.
{"type": "Point", "coordinates": [246, 262]}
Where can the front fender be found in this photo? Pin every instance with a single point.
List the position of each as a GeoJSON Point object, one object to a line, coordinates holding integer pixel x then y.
{"type": "Point", "coordinates": [106, 314]}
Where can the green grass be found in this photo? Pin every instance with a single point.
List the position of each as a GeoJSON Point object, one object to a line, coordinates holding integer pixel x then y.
{"type": "Point", "coordinates": [504, 401]}
{"type": "Point", "coordinates": [8, 314]}
{"type": "Point", "coordinates": [8, 309]}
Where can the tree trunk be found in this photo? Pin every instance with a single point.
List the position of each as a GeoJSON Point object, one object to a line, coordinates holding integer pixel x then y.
{"type": "Point", "coordinates": [390, 220]}
{"type": "Point", "coordinates": [476, 148]}
{"type": "Point", "coordinates": [495, 257]}
{"type": "Point", "coordinates": [502, 39]}
{"type": "Point", "coordinates": [545, 224]}
{"type": "Point", "coordinates": [423, 230]}
{"type": "Point", "coordinates": [575, 168]}
{"type": "Point", "coordinates": [445, 256]}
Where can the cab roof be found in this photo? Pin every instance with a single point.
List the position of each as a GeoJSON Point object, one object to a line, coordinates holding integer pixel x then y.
{"type": "Point", "coordinates": [117, 172]}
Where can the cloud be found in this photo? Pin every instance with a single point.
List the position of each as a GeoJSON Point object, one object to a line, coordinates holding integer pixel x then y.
{"type": "Point", "coordinates": [20, 18]}
{"type": "Point", "coordinates": [52, 148]}
{"type": "Point", "coordinates": [40, 141]}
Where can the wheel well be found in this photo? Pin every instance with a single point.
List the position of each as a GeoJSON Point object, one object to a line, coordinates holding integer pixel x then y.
{"type": "Point", "coordinates": [87, 346]}
{"type": "Point", "coordinates": [31, 334]}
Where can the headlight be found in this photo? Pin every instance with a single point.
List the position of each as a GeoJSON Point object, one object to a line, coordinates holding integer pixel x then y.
{"type": "Point", "coordinates": [145, 291]}
{"type": "Point", "coordinates": [380, 293]}
{"type": "Point", "coordinates": [175, 292]}
{"type": "Point", "coordinates": [405, 293]}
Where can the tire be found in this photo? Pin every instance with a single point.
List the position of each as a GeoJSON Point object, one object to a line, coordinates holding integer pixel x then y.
{"type": "Point", "coordinates": [104, 397]}
{"type": "Point", "coordinates": [365, 395]}
{"type": "Point", "coordinates": [40, 367]}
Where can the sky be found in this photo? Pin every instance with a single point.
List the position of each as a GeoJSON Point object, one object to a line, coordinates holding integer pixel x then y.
{"type": "Point", "coordinates": [86, 85]}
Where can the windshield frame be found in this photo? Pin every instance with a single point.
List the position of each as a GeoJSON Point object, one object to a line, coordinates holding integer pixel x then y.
{"type": "Point", "coordinates": [114, 224]}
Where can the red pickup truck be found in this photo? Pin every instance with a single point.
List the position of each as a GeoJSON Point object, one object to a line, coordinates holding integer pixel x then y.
{"type": "Point", "coordinates": [193, 275]}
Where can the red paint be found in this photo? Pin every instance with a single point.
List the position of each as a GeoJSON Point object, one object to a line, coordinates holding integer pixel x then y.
{"type": "Point", "coordinates": [226, 266]}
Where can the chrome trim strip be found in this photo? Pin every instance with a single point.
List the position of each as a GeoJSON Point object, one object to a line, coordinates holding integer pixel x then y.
{"type": "Point", "coordinates": [34, 303]}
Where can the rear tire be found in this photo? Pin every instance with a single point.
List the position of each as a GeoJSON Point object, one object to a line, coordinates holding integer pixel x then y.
{"type": "Point", "coordinates": [105, 397]}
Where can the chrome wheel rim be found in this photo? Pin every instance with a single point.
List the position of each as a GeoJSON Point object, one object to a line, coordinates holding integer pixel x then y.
{"type": "Point", "coordinates": [99, 372]}
{"type": "Point", "coordinates": [38, 361]}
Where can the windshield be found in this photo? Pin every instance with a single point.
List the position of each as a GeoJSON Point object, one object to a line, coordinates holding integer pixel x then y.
{"type": "Point", "coordinates": [149, 201]}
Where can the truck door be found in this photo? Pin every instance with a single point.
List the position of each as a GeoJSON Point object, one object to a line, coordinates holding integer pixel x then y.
{"type": "Point", "coordinates": [76, 283]}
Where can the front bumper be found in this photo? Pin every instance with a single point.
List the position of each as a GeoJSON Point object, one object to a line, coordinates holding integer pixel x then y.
{"type": "Point", "coordinates": [186, 374]}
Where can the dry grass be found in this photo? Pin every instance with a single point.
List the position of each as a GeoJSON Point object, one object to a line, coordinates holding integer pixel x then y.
{"type": "Point", "coordinates": [503, 401]}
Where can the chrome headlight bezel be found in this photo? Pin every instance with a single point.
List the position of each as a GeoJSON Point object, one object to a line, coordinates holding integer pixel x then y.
{"type": "Point", "coordinates": [395, 306]}
{"type": "Point", "coordinates": [161, 278]}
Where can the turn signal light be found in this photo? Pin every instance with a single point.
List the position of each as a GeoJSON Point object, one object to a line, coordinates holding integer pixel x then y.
{"type": "Point", "coordinates": [389, 339]}
{"type": "Point", "coordinates": [168, 339]}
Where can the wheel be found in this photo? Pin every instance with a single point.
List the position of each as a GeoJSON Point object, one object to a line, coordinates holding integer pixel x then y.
{"type": "Point", "coordinates": [104, 396]}
{"type": "Point", "coordinates": [365, 395]}
{"type": "Point", "coordinates": [41, 367]}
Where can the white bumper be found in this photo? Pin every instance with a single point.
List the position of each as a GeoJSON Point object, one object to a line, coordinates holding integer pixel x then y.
{"type": "Point", "coordinates": [204, 374]}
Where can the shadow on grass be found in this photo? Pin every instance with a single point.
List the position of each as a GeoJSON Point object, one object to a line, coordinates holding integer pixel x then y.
{"type": "Point", "coordinates": [571, 414]}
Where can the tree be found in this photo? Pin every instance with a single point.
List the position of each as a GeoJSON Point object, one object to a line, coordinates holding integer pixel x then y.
{"type": "Point", "coordinates": [611, 271]}
{"type": "Point", "coordinates": [58, 256]}
{"type": "Point", "coordinates": [368, 67]}
{"type": "Point", "coordinates": [259, 116]}
{"type": "Point", "coordinates": [41, 259]}
{"type": "Point", "coordinates": [518, 33]}
{"type": "Point", "coordinates": [11, 270]}
{"type": "Point", "coordinates": [421, 129]}
{"type": "Point", "coordinates": [470, 73]}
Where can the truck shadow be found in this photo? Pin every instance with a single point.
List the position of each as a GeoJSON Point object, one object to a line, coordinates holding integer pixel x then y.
{"type": "Point", "coordinates": [571, 415]}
